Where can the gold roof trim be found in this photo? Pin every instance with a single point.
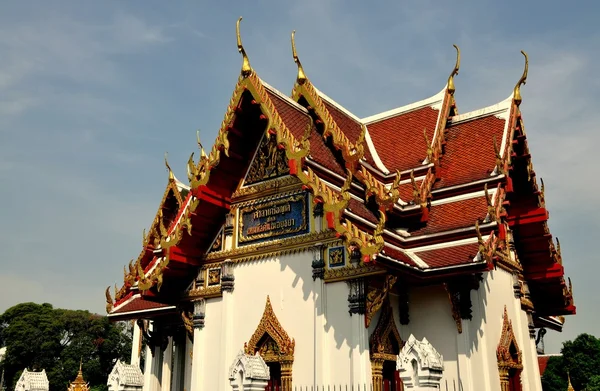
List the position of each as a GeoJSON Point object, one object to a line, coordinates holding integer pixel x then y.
{"type": "Point", "coordinates": [523, 80]}
{"type": "Point", "coordinates": [301, 78]}
{"type": "Point", "coordinates": [352, 152]}
{"type": "Point", "coordinates": [246, 68]}
{"type": "Point", "coordinates": [451, 87]}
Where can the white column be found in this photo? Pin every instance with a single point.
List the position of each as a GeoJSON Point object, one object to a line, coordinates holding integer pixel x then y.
{"type": "Point", "coordinates": [153, 365]}
{"type": "Point", "coordinates": [197, 367]}
{"type": "Point", "coordinates": [178, 363]}
{"type": "Point", "coordinates": [188, 367]}
{"type": "Point", "coordinates": [167, 357]}
{"type": "Point", "coordinates": [227, 354]}
{"type": "Point", "coordinates": [136, 345]}
{"type": "Point", "coordinates": [319, 358]}
{"type": "Point", "coordinates": [465, 372]}
{"type": "Point", "coordinates": [197, 375]}
{"type": "Point", "coordinates": [361, 364]}
{"type": "Point", "coordinates": [147, 369]}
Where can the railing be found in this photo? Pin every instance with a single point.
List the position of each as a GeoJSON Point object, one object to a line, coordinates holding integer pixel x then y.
{"type": "Point", "coordinates": [335, 387]}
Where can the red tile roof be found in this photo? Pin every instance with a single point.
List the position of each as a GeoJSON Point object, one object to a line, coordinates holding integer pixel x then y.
{"type": "Point", "coordinates": [349, 126]}
{"type": "Point", "coordinates": [399, 256]}
{"type": "Point", "coordinates": [449, 256]}
{"type": "Point", "coordinates": [469, 154]}
{"type": "Point", "coordinates": [399, 140]}
{"type": "Point", "coordinates": [453, 215]}
{"type": "Point", "coordinates": [543, 362]}
{"type": "Point", "coordinates": [295, 118]}
{"type": "Point", "coordinates": [138, 304]}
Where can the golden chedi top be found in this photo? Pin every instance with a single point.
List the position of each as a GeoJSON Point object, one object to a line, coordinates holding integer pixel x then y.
{"type": "Point", "coordinates": [79, 384]}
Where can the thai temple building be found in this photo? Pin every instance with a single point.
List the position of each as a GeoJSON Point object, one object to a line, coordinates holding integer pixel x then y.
{"type": "Point", "coordinates": [408, 250]}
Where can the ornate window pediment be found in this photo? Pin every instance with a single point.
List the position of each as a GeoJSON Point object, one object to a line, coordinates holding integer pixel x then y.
{"type": "Point", "coordinates": [274, 346]}
{"type": "Point", "coordinates": [270, 338]}
{"type": "Point", "coordinates": [509, 357]}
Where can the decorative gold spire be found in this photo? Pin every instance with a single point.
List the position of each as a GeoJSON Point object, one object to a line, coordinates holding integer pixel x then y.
{"type": "Point", "coordinates": [79, 384]}
{"type": "Point", "coordinates": [171, 176]}
{"type": "Point", "coordinates": [202, 152]}
{"type": "Point", "coordinates": [570, 387]}
{"type": "Point", "coordinates": [523, 80]}
{"type": "Point", "coordinates": [109, 300]}
{"type": "Point", "coordinates": [451, 88]}
{"type": "Point", "coordinates": [301, 78]}
{"type": "Point", "coordinates": [246, 68]}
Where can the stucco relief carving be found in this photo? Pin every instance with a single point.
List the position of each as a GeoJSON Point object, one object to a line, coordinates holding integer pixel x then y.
{"type": "Point", "coordinates": [248, 373]}
{"type": "Point", "coordinates": [421, 366]}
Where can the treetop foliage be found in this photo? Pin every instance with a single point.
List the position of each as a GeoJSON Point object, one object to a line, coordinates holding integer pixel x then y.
{"type": "Point", "coordinates": [39, 336]}
{"type": "Point", "coordinates": [581, 360]}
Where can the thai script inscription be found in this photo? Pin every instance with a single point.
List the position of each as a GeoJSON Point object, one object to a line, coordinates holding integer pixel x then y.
{"type": "Point", "coordinates": [278, 218]}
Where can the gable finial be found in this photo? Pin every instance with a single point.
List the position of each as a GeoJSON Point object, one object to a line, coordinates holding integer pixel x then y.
{"type": "Point", "coordinates": [246, 68]}
{"type": "Point", "coordinates": [301, 78]}
{"type": "Point", "coordinates": [451, 87]}
{"type": "Point", "coordinates": [171, 176]}
{"type": "Point", "coordinates": [523, 80]}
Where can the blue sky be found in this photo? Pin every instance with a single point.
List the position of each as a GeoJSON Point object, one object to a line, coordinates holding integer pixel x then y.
{"type": "Point", "coordinates": [93, 93]}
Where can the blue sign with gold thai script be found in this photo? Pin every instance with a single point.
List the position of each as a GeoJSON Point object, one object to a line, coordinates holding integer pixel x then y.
{"type": "Point", "coordinates": [275, 218]}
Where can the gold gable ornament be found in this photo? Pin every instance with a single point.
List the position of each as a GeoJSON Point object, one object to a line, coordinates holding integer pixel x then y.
{"type": "Point", "coordinates": [79, 384]}
{"type": "Point", "coordinates": [269, 162]}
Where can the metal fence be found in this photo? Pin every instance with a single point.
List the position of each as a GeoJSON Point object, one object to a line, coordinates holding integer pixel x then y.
{"type": "Point", "coordinates": [338, 387]}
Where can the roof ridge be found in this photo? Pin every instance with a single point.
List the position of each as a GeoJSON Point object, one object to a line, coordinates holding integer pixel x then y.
{"type": "Point", "coordinates": [495, 109]}
{"type": "Point", "coordinates": [439, 97]}
{"type": "Point", "coordinates": [286, 98]}
{"type": "Point", "coordinates": [338, 106]}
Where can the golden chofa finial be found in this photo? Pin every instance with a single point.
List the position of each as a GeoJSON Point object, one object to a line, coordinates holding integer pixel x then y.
{"type": "Point", "coordinates": [301, 78]}
{"type": "Point", "coordinates": [523, 80]}
{"type": "Point", "coordinates": [246, 68]}
{"type": "Point", "coordinates": [451, 87]}
{"type": "Point", "coordinates": [171, 176]}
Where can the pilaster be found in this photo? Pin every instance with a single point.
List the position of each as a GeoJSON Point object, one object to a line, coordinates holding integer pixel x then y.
{"type": "Point", "coordinates": [360, 360]}
{"type": "Point", "coordinates": [188, 364]}
{"type": "Point", "coordinates": [465, 371]}
{"type": "Point", "coordinates": [167, 357]}
{"type": "Point", "coordinates": [197, 372]}
{"type": "Point", "coordinates": [177, 382]}
{"type": "Point", "coordinates": [228, 230]}
{"type": "Point", "coordinates": [226, 334]}
{"type": "Point", "coordinates": [153, 365]}
{"type": "Point", "coordinates": [322, 358]}
{"type": "Point", "coordinates": [136, 345]}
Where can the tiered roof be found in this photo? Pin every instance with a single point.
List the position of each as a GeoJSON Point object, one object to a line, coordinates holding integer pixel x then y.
{"type": "Point", "coordinates": [418, 189]}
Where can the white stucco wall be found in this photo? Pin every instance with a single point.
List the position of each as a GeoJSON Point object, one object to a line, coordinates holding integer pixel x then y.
{"type": "Point", "coordinates": [315, 314]}
{"type": "Point", "coordinates": [328, 340]}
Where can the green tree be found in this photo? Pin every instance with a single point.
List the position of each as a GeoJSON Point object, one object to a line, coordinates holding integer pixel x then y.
{"type": "Point", "coordinates": [38, 336]}
{"type": "Point", "coordinates": [581, 360]}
